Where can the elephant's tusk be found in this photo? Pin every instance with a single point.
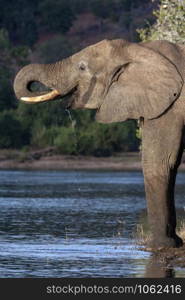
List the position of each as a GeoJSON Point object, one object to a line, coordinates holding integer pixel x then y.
{"type": "Point", "coordinates": [41, 98]}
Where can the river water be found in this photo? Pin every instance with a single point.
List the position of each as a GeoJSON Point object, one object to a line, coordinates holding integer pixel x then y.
{"type": "Point", "coordinates": [76, 224]}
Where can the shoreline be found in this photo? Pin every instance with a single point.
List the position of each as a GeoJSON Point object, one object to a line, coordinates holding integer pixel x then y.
{"type": "Point", "coordinates": [41, 160]}
{"type": "Point", "coordinates": [130, 161]}
{"type": "Point", "coordinates": [68, 162]}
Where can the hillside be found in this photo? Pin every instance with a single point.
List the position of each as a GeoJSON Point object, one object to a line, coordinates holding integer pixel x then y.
{"type": "Point", "coordinates": [88, 28]}
{"type": "Point", "coordinates": [50, 31]}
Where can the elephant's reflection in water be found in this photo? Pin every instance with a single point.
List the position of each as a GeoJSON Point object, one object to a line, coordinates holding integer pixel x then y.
{"type": "Point", "coordinates": [158, 267]}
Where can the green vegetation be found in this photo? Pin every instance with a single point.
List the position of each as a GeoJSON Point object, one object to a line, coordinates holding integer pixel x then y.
{"type": "Point", "coordinates": [169, 25]}
{"type": "Point", "coordinates": [18, 18]}
{"type": "Point", "coordinates": [39, 31]}
{"type": "Point", "coordinates": [56, 15]}
{"type": "Point", "coordinates": [12, 132]}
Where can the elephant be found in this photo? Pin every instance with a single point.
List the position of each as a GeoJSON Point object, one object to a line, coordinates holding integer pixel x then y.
{"type": "Point", "coordinates": [123, 80]}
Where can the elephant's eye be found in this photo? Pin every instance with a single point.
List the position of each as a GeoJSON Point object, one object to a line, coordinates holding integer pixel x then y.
{"type": "Point", "coordinates": [82, 66]}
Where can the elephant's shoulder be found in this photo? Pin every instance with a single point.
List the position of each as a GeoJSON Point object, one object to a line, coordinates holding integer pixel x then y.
{"type": "Point", "coordinates": [165, 48]}
{"type": "Point", "coordinates": [173, 52]}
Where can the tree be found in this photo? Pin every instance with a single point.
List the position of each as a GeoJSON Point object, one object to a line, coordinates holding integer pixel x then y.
{"type": "Point", "coordinates": [54, 49]}
{"type": "Point", "coordinates": [18, 18]}
{"type": "Point", "coordinates": [109, 8]}
{"type": "Point", "coordinates": [12, 133]}
{"type": "Point", "coordinates": [11, 58]}
{"type": "Point", "coordinates": [56, 15]}
{"type": "Point", "coordinates": [169, 24]}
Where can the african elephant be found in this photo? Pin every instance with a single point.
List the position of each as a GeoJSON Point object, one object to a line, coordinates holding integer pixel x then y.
{"type": "Point", "coordinates": [123, 80]}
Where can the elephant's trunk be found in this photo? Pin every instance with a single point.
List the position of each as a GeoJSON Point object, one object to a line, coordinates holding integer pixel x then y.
{"type": "Point", "coordinates": [58, 77]}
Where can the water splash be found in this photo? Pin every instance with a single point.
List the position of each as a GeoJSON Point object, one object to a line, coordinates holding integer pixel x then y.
{"type": "Point", "coordinates": [73, 125]}
{"type": "Point", "coordinates": [73, 122]}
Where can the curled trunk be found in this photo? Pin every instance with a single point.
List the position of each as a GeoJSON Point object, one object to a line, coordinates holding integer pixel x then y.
{"type": "Point", "coordinates": [26, 76]}
{"type": "Point", "coordinates": [59, 77]}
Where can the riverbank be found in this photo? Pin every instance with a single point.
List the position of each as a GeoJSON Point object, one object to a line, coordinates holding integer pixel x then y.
{"type": "Point", "coordinates": [47, 160]}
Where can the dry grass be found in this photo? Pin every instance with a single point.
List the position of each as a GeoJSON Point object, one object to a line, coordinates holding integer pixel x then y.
{"type": "Point", "coordinates": [173, 257]}
{"type": "Point", "coordinates": [142, 236]}
{"type": "Point", "coordinates": [181, 230]}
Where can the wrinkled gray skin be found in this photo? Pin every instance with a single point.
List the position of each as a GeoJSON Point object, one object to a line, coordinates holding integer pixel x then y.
{"type": "Point", "coordinates": [123, 80]}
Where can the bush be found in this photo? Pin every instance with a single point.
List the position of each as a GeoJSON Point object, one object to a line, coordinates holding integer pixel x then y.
{"type": "Point", "coordinates": [66, 140]}
{"type": "Point", "coordinates": [12, 133]}
{"type": "Point", "coordinates": [18, 17]}
{"type": "Point", "coordinates": [54, 49]}
{"type": "Point", "coordinates": [169, 23]}
{"type": "Point", "coordinates": [10, 58]}
{"type": "Point", "coordinates": [88, 138]}
{"type": "Point", "coordinates": [56, 15]}
{"type": "Point", "coordinates": [43, 136]}
{"type": "Point", "coordinates": [105, 139]}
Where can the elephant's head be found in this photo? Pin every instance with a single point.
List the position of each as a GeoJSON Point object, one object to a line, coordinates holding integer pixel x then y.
{"type": "Point", "coordinates": [121, 80]}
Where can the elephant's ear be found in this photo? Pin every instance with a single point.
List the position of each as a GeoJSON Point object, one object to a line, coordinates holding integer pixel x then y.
{"type": "Point", "coordinates": [145, 86]}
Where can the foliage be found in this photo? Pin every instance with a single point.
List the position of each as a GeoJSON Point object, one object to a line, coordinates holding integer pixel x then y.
{"type": "Point", "coordinates": [12, 134]}
{"type": "Point", "coordinates": [18, 18]}
{"type": "Point", "coordinates": [23, 19]}
{"type": "Point", "coordinates": [80, 6]}
{"type": "Point", "coordinates": [10, 59]}
{"type": "Point", "coordinates": [103, 8]}
{"type": "Point", "coordinates": [103, 139]}
{"type": "Point", "coordinates": [26, 21]}
{"type": "Point", "coordinates": [56, 15]}
{"type": "Point", "coordinates": [65, 140]}
{"type": "Point", "coordinates": [92, 139]}
{"type": "Point", "coordinates": [57, 48]}
{"type": "Point", "coordinates": [169, 24]}
{"type": "Point", "coordinates": [76, 133]}
{"type": "Point", "coordinates": [113, 8]}
{"type": "Point", "coordinates": [110, 8]}
{"type": "Point", "coordinates": [41, 135]}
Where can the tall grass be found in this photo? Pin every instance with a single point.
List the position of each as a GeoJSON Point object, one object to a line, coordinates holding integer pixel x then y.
{"type": "Point", "coordinates": [181, 230]}
{"type": "Point", "coordinates": [143, 236]}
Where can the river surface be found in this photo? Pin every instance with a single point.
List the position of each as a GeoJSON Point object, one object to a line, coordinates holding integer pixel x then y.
{"type": "Point", "coordinates": [75, 224]}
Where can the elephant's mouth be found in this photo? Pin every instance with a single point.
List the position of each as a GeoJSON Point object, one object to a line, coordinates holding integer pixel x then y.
{"type": "Point", "coordinates": [68, 98]}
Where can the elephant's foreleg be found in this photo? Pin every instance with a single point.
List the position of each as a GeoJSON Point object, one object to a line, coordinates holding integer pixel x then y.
{"type": "Point", "coordinates": [161, 155]}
